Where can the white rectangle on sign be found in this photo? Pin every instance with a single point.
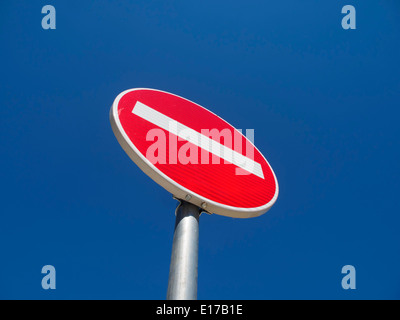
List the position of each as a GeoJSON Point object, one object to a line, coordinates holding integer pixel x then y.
{"type": "Point", "coordinates": [198, 139]}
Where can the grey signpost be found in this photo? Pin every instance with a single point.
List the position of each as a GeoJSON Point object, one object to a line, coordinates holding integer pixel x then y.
{"type": "Point", "coordinates": [182, 282]}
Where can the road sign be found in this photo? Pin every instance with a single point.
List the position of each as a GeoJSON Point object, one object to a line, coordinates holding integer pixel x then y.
{"type": "Point", "coordinates": [193, 153]}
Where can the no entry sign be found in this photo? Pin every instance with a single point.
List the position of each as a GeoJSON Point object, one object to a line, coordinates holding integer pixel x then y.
{"type": "Point", "coordinates": [193, 153]}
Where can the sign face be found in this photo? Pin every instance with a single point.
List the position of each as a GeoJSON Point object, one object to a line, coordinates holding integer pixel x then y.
{"type": "Point", "coordinates": [193, 153]}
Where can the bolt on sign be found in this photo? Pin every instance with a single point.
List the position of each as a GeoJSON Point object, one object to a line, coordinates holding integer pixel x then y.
{"type": "Point", "coordinates": [193, 153]}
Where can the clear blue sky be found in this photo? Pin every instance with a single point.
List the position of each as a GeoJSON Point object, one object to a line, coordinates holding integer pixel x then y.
{"type": "Point", "coordinates": [324, 104]}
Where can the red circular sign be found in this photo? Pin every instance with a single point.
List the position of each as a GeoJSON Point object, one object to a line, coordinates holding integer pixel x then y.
{"type": "Point", "coordinates": [193, 153]}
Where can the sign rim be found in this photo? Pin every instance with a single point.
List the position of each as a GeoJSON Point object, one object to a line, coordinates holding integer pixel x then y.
{"type": "Point", "coordinates": [170, 185]}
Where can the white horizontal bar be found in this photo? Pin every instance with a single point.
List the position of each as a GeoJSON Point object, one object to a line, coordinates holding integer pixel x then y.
{"type": "Point", "coordinates": [197, 138]}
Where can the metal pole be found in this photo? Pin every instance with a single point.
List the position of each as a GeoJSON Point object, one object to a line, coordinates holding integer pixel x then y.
{"type": "Point", "coordinates": [182, 282]}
